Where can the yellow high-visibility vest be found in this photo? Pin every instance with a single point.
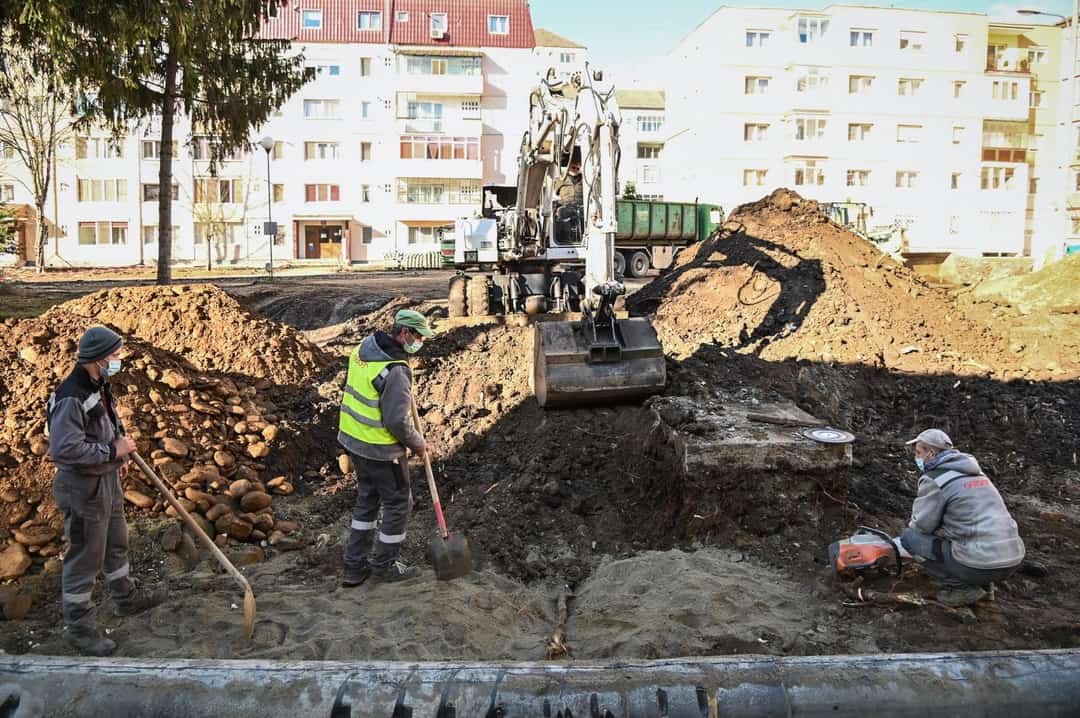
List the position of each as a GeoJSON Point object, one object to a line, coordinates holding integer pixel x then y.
{"type": "Point", "coordinates": [360, 416]}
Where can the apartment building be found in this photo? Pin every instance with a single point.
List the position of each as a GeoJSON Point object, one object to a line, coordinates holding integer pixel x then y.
{"type": "Point", "coordinates": [411, 107]}
{"type": "Point", "coordinates": [641, 141]}
{"type": "Point", "coordinates": [898, 109]}
{"type": "Point", "coordinates": [557, 53]}
{"type": "Point", "coordinates": [1069, 136]}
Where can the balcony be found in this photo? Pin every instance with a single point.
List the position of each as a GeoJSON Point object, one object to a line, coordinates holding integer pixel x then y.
{"type": "Point", "coordinates": [1011, 60]}
{"type": "Point", "coordinates": [437, 169]}
{"type": "Point", "coordinates": [456, 85]}
{"type": "Point", "coordinates": [448, 126]}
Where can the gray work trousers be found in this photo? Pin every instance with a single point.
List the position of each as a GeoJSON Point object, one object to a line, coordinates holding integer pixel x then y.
{"type": "Point", "coordinates": [97, 534]}
{"type": "Point", "coordinates": [941, 565]}
{"type": "Point", "coordinates": [385, 484]}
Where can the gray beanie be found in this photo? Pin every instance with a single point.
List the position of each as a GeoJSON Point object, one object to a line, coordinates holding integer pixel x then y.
{"type": "Point", "coordinates": [97, 343]}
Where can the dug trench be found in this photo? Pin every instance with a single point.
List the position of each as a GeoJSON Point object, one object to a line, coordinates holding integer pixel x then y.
{"type": "Point", "coordinates": [596, 538]}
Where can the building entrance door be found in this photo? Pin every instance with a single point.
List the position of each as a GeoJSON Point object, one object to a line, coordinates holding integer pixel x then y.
{"type": "Point", "coordinates": [323, 241]}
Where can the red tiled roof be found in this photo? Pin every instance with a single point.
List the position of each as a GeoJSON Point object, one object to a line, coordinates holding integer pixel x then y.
{"type": "Point", "coordinates": [467, 22]}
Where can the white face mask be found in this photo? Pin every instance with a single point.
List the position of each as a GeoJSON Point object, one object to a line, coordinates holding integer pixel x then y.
{"type": "Point", "coordinates": [112, 368]}
{"type": "Point", "coordinates": [413, 347]}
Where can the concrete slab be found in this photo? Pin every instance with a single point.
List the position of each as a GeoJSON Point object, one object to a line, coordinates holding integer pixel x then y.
{"type": "Point", "coordinates": [731, 436]}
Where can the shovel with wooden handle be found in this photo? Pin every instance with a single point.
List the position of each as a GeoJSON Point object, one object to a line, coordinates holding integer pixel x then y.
{"type": "Point", "coordinates": [449, 553]}
{"type": "Point", "coordinates": [249, 596]}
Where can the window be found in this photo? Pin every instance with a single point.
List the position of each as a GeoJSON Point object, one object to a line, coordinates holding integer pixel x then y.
{"type": "Point", "coordinates": [320, 150]}
{"type": "Point", "coordinates": [812, 29]}
{"type": "Point", "coordinates": [906, 179]}
{"type": "Point", "coordinates": [365, 151]}
{"type": "Point", "coordinates": [91, 233]}
{"type": "Point", "coordinates": [757, 38]}
{"type": "Point", "coordinates": [365, 193]}
{"type": "Point", "coordinates": [810, 79]}
{"type": "Point", "coordinates": [441, 191]}
{"type": "Point", "coordinates": [365, 110]}
{"type": "Point", "coordinates": [1036, 97]}
{"type": "Point", "coordinates": [567, 58]}
{"type": "Point", "coordinates": [365, 67]}
{"type": "Point", "coordinates": [957, 134]}
{"type": "Point", "coordinates": [755, 132]}
{"type": "Point", "coordinates": [648, 152]}
{"type": "Point", "coordinates": [1037, 56]}
{"type": "Point", "coordinates": [433, 65]}
{"type": "Point", "coordinates": [89, 148]}
{"type": "Point", "coordinates": [279, 150]}
{"type": "Point", "coordinates": [151, 149]}
{"type": "Point", "coordinates": [209, 232]}
{"type": "Point", "coordinates": [7, 193]}
{"type": "Point", "coordinates": [1006, 89]}
{"type": "Point", "coordinates": [438, 23]}
{"type": "Point", "coordinates": [909, 86]}
{"type": "Point", "coordinates": [858, 132]}
{"type": "Point", "coordinates": [311, 19]}
{"type": "Point", "coordinates": [1011, 135]}
{"type": "Point", "coordinates": [908, 133]}
{"type": "Point", "coordinates": [150, 233]}
{"type": "Point", "coordinates": [1033, 185]}
{"type": "Point", "coordinates": [809, 129]}
{"type": "Point", "coordinates": [470, 109]}
{"type": "Point", "coordinates": [499, 24]}
{"type": "Point", "coordinates": [862, 38]}
{"type": "Point", "coordinates": [439, 147]}
{"type": "Point", "coordinates": [204, 147]}
{"type": "Point", "coordinates": [756, 85]}
{"type": "Point", "coordinates": [152, 192]}
{"type": "Point", "coordinates": [650, 174]}
{"type": "Point", "coordinates": [278, 192]}
{"type": "Point", "coordinates": [214, 190]}
{"type": "Point", "coordinates": [322, 193]}
{"type": "Point", "coordinates": [996, 178]}
{"type": "Point", "coordinates": [858, 178]}
{"type": "Point", "coordinates": [650, 123]}
{"type": "Point", "coordinates": [402, 16]}
{"type": "Point", "coordinates": [8, 151]}
{"type": "Point", "coordinates": [954, 180]}
{"type": "Point", "coordinates": [421, 235]}
{"type": "Point", "coordinates": [369, 20]}
{"type": "Point", "coordinates": [754, 178]}
{"type": "Point", "coordinates": [365, 235]}
{"type": "Point", "coordinates": [809, 174]}
{"type": "Point", "coordinates": [426, 110]}
{"type": "Point", "coordinates": [322, 109]}
{"type": "Point", "coordinates": [315, 69]}
{"type": "Point", "coordinates": [960, 43]}
{"type": "Point", "coordinates": [912, 41]}
{"type": "Point", "coordinates": [859, 84]}
{"type": "Point", "coordinates": [958, 89]}
{"type": "Point", "coordinates": [110, 190]}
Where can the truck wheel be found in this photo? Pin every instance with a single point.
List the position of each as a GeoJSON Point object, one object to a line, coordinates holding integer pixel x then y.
{"type": "Point", "coordinates": [458, 296]}
{"type": "Point", "coordinates": [479, 297]}
{"type": "Point", "coordinates": [620, 264]}
{"type": "Point", "coordinates": [639, 264]}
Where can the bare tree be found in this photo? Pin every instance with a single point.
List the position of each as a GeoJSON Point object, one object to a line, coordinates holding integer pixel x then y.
{"type": "Point", "coordinates": [36, 118]}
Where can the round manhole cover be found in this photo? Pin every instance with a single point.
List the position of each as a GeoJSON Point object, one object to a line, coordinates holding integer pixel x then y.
{"type": "Point", "coordinates": [828, 435]}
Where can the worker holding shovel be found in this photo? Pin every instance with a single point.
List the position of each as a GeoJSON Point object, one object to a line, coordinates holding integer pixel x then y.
{"type": "Point", "coordinates": [87, 444]}
{"type": "Point", "coordinates": [376, 428]}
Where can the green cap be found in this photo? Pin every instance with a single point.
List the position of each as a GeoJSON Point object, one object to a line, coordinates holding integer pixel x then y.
{"type": "Point", "coordinates": [413, 320]}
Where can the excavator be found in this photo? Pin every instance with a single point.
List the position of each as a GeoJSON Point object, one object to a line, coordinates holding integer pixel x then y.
{"type": "Point", "coordinates": [557, 258]}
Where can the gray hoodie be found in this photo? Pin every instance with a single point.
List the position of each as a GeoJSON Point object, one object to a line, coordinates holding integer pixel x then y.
{"type": "Point", "coordinates": [395, 400]}
{"type": "Point", "coordinates": [956, 501]}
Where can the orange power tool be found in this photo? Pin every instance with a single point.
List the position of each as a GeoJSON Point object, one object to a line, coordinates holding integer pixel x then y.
{"type": "Point", "coordinates": [867, 549]}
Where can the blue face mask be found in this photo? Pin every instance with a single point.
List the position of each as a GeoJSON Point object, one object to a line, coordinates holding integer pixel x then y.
{"type": "Point", "coordinates": [920, 463]}
{"type": "Point", "coordinates": [113, 368]}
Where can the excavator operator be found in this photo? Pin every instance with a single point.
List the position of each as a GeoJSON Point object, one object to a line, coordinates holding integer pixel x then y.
{"type": "Point", "coordinates": [571, 196]}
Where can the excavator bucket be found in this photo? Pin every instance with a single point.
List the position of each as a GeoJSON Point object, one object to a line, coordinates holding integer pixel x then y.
{"type": "Point", "coordinates": [570, 369]}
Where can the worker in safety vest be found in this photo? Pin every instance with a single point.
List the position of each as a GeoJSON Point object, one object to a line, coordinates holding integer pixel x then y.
{"type": "Point", "coordinates": [375, 427]}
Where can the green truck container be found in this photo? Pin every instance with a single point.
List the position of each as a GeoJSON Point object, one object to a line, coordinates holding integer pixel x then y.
{"type": "Point", "coordinates": [649, 232]}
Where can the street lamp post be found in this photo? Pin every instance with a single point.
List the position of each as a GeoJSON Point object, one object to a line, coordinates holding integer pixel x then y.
{"type": "Point", "coordinates": [269, 230]}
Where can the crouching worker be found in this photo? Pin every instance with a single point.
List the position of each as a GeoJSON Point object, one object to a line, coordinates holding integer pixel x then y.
{"type": "Point", "coordinates": [960, 530]}
{"type": "Point", "coordinates": [88, 446]}
{"type": "Point", "coordinates": [375, 426]}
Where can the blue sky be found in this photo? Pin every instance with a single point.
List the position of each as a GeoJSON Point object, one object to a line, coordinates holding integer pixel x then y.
{"type": "Point", "coordinates": [622, 33]}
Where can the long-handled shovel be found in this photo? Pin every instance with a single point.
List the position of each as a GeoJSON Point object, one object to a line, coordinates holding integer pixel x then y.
{"type": "Point", "coordinates": [449, 553]}
{"type": "Point", "coordinates": [249, 597]}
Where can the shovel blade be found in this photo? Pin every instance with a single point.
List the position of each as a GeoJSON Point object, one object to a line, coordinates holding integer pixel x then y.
{"type": "Point", "coordinates": [249, 613]}
{"type": "Point", "coordinates": [451, 557]}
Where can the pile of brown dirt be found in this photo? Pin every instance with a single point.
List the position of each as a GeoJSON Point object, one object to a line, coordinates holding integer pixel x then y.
{"type": "Point", "coordinates": [210, 329]}
{"type": "Point", "coordinates": [783, 282]}
{"type": "Point", "coordinates": [1055, 288]}
{"type": "Point", "coordinates": [214, 435]}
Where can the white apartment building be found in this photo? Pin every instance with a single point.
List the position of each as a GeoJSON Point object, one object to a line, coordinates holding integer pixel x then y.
{"type": "Point", "coordinates": [556, 52]}
{"type": "Point", "coordinates": [641, 141]}
{"type": "Point", "coordinates": [899, 109]}
{"type": "Point", "coordinates": [1069, 133]}
{"type": "Point", "coordinates": [411, 108]}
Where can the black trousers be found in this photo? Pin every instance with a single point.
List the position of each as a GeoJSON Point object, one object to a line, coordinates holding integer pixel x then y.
{"type": "Point", "coordinates": [385, 485]}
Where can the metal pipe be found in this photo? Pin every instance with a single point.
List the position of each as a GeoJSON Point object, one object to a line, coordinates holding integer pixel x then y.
{"type": "Point", "coordinates": [1006, 684]}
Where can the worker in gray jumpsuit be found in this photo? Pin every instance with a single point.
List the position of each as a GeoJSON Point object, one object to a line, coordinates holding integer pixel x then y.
{"type": "Point", "coordinates": [88, 446]}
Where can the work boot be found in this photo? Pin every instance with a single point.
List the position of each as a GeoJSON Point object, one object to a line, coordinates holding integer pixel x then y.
{"type": "Point", "coordinates": [138, 600]}
{"type": "Point", "coordinates": [88, 639]}
{"type": "Point", "coordinates": [397, 571]}
{"type": "Point", "coordinates": [354, 575]}
{"type": "Point", "coordinates": [961, 596]}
